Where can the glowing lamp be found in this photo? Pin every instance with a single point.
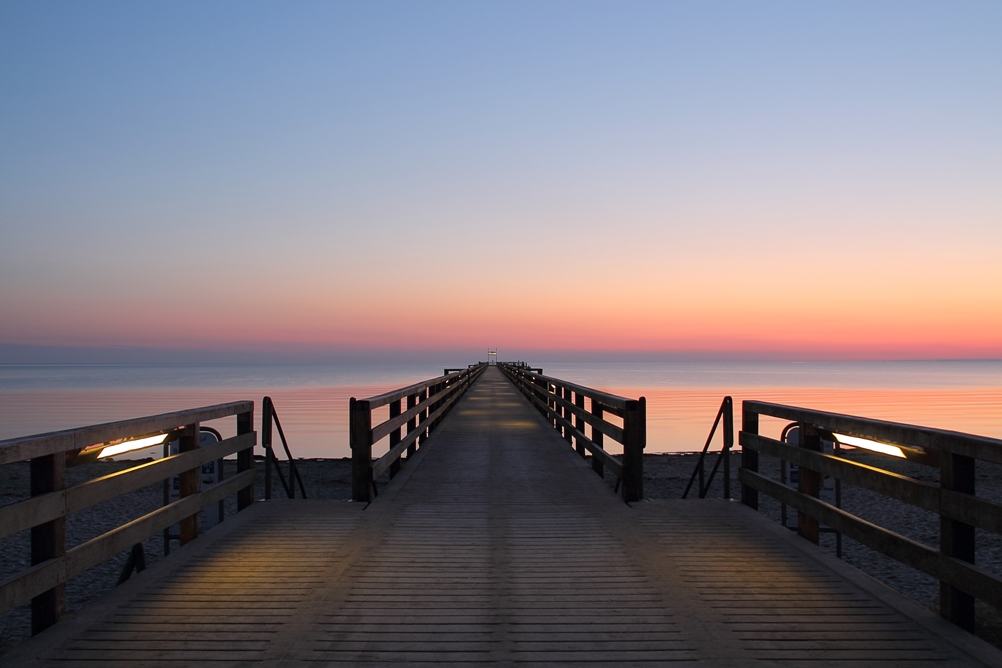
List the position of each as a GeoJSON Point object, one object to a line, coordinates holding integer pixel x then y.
{"type": "Point", "coordinates": [867, 444]}
{"type": "Point", "coordinates": [131, 446]}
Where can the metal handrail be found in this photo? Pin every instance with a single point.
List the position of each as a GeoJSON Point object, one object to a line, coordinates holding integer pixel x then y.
{"type": "Point", "coordinates": [269, 415]}
{"type": "Point", "coordinates": [727, 412]}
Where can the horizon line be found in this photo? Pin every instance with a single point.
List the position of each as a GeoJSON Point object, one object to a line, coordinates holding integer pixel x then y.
{"type": "Point", "coordinates": [13, 354]}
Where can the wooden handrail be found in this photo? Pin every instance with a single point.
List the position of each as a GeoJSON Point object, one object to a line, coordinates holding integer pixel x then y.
{"type": "Point", "coordinates": [40, 445]}
{"type": "Point", "coordinates": [960, 511]}
{"type": "Point", "coordinates": [560, 401]}
{"type": "Point", "coordinates": [51, 501]}
{"type": "Point", "coordinates": [427, 403]}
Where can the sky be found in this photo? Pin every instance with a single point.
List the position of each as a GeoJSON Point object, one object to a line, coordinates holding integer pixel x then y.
{"type": "Point", "coordinates": [730, 180]}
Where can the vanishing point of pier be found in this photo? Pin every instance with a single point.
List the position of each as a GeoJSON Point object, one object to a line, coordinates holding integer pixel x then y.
{"type": "Point", "coordinates": [493, 543]}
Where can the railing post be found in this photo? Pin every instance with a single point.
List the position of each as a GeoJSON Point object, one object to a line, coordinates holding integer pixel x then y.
{"type": "Point", "coordinates": [634, 440]}
{"type": "Point", "coordinates": [956, 539]}
{"type": "Point", "coordinates": [565, 411]}
{"type": "Point", "coordinates": [809, 482]}
{"type": "Point", "coordinates": [579, 422]}
{"type": "Point", "coordinates": [412, 401]}
{"type": "Point", "coordinates": [543, 393]}
{"type": "Point", "coordinates": [597, 437]}
{"type": "Point", "coordinates": [422, 418]}
{"type": "Point", "coordinates": [269, 455]}
{"type": "Point", "coordinates": [360, 435]}
{"type": "Point", "coordinates": [394, 437]}
{"type": "Point", "coordinates": [190, 482]}
{"type": "Point", "coordinates": [749, 457]}
{"type": "Point", "coordinates": [245, 459]}
{"type": "Point", "coordinates": [48, 540]}
{"type": "Point", "coordinates": [728, 444]}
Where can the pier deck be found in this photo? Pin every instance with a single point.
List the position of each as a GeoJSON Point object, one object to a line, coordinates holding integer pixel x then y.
{"type": "Point", "coordinates": [497, 544]}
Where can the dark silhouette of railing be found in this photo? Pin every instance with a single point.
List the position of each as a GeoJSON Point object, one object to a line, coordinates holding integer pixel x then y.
{"type": "Point", "coordinates": [726, 412]}
{"type": "Point", "coordinates": [960, 511]}
{"type": "Point", "coordinates": [45, 513]}
{"type": "Point", "coordinates": [427, 404]}
{"type": "Point", "coordinates": [268, 416]}
{"type": "Point", "coordinates": [560, 401]}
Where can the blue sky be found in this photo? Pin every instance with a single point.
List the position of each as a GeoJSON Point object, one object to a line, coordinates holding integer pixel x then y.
{"type": "Point", "coordinates": [201, 157]}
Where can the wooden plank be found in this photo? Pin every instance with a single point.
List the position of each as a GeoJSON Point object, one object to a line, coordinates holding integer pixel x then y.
{"type": "Point", "coordinates": [967, 445]}
{"type": "Point", "coordinates": [98, 549]}
{"type": "Point", "coordinates": [33, 581]}
{"type": "Point", "coordinates": [963, 507]}
{"type": "Point", "coordinates": [387, 460]}
{"type": "Point", "coordinates": [381, 430]}
{"type": "Point", "coordinates": [609, 400]}
{"type": "Point", "coordinates": [610, 430]}
{"type": "Point", "coordinates": [394, 395]}
{"type": "Point", "coordinates": [28, 447]}
{"type": "Point", "coordinates": [26, 514]}
{"type": "Point", "coordinates": [614, 465]}
{"type": "Point", "coordinates": [956, 573]}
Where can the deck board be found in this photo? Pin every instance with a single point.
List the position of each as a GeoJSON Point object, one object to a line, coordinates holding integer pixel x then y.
{"type": "Point", "coordinates": [496, 545]}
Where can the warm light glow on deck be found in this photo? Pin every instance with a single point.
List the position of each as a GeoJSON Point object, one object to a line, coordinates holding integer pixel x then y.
{"type": "Point", "coordinates": [867, 444]}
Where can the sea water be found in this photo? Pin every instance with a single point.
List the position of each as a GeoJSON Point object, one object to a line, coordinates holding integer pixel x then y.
{"type": "Point", "coordinates": [682, 397]}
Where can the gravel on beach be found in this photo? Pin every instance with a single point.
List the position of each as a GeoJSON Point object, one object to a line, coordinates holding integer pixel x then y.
{"type": "Point", "coordinates": [665, 477]}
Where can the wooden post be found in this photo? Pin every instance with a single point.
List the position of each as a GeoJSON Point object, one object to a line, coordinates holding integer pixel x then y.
{"type": "Point", "coordinates": [245, 459]}
{"type": "Point", "coordinates": [48, 540]}
{"type": "Point", "coordinates": [809, 482]}
{"type": "Point", "coordinates": [597, 438]}
{"type": "Point", "coordinates": [422, 418]}
{"type": "Point", "coordinates": [269, 455]}
{"type": "Point", "coordinates": [191, 482]}
{"type": "Point", "coordinates": [579, 422]}
{"type": "Point", "coordinates": [728, 444]}
{"type": "Point", "coordinates": [566, 412]}
{"type": "Point", "coordinates": [395, 437]}
{"type": "Point", "coordinates": [634, 440]}
{"type": "Point", "coordinates": [749, 457]}
{"type": "Point", "coordinates": [542, 392]}
{"type": "Point", "coordinates": [433, 390]}
{"type": "Point", "coordinates": [956, 539]}
{"type": "Point", "coordinates": [412, 401]}
{"type": "Point", "coordinates": [360, 436]}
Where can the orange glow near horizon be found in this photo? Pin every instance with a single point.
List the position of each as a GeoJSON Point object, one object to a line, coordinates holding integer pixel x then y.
{"type": "Point", "coordinates": [863, 308]}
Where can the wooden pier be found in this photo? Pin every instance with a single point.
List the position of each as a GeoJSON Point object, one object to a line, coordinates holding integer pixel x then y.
{"type": "Point", "coordinates": [497, 544]}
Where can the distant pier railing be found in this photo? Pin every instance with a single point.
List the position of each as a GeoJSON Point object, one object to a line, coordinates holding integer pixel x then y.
{"type": "Point", "coordinates": [564, 405]}
{"type": "Point", "coordinates": [427, 404]}
{"type": "Point", "coordinates": [954, 500]}
{"type": "Point", "coordinates": [45, 513]}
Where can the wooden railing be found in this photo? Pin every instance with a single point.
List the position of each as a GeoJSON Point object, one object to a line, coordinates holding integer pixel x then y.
{"type": "Point", "coordinates": [51, 501]}
{"type": "Point", "coordinates": [427, 404]}
{"type": "Point", "coordinates": [564, 405]}
{"type": "Point", "coordinates": [953, 499]}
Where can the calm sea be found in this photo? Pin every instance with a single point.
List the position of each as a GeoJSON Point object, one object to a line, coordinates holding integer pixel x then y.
{"type": "Point", "coordinates": [682, 398]}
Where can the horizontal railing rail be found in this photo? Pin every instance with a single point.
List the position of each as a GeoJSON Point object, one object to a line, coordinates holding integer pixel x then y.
{"type": "Point", "coordinates": [954, 500]}
{"type": "Point", "coordinates": [427, 403]}
{"type": "Point", "coordinates": [52, 501]}
{"type": "Point", "coordinates": [564, 405]}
